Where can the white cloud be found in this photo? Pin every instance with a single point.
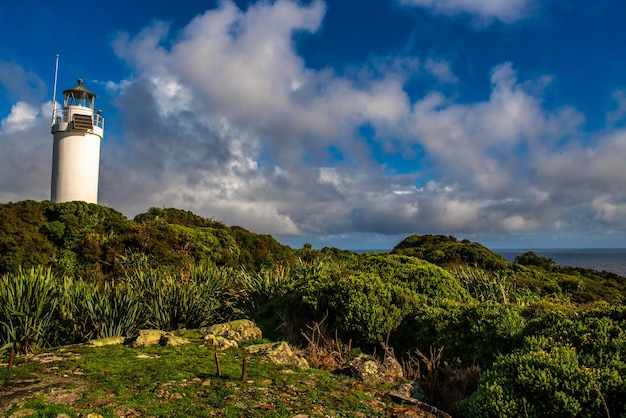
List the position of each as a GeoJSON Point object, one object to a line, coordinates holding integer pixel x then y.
{"type": "Point", "coordinates": [249, 127]}
{"type": "Point", "coordinates": [440, 69]}
{"type": "Point", "coordinates": [225, 119]}
{"type": "Point", "coordinates": [484, 10]}
{"type": "Point", "coordinates": [26, 157]}
{"type": "Point", "coordinates": [21, 118]}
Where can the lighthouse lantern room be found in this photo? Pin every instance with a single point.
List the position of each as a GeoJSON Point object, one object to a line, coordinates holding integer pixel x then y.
{"type": "Point", "coordinates": [77, 132]}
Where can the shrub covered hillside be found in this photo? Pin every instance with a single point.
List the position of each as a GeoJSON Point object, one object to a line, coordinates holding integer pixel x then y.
{"type": "Point", "coordinates": [86, 240]}
{"type": "Point", "coordinates": [484, 337]}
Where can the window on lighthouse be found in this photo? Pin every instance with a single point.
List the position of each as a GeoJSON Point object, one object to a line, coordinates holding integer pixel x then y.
{"type": "Point", "coordinates": [74, 98]}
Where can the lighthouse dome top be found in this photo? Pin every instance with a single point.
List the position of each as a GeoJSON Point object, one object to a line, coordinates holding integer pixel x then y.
{"type": "Point", "coordinates": [79, 96]}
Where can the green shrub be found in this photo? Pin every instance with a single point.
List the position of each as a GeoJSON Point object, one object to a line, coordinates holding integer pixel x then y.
{"type": "Point", "coordinates": [366, 308]}
{"type": "Point", "coordinates": [417, 275]}
{"type": "Point", "coordinates": [571, 363]}
{"type": "Point", "coordinates": [474, 333]}
{"type": "Point", "coordinates": [448, 251]}
{"type": "Point", "coordinates": [363, 297]}
{"type": "Point", "coordinates": [22, 246]}
{"type": "Point", "coordinates": [543, 383]}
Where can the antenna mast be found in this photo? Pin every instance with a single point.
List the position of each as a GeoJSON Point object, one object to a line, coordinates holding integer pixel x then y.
{"type": "Point", "coordinates": [54, 92]}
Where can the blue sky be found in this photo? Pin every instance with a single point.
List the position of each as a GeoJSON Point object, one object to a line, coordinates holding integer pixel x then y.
{"type": "Point", "coordinates": [339, 123]}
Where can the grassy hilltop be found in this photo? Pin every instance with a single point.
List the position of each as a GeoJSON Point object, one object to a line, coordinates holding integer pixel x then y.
{"type": "Point", "coordinates": [484, 337]}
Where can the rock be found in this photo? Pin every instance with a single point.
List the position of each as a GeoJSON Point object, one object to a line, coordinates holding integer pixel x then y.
{"type": "Point", "coordinates": [279, 353]}
{"type": "Point", "coordinates": [416, 411]}
{"type": "Point", "coordinates": [229, 334]}
{"type": "Point", "coordinates": [372, 372]}
{"type": "Point", "coordinates": [392, 368]}
{"type": "Point", "coordinates": [123, 411]}
{"type": "Point", "coordinates": [220, 343]}
{"type": "Point", "coordinates": [412, 390]}
{"type": "Point", "coordinates": [240, 330]}
{"type": "Point", "coordinates": [173, 340]}
{"type": "Point", "coordinates": [101, 342]}
{"type": "Point", "coordinates": [146, 356]}
{"type": "Point", "coordinates": [148, 337]}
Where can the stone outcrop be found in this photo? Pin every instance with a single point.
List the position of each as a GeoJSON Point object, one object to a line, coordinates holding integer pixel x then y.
{"type": "Point", "coordinates": [148, 337]}
{"type": "Point", "coordinates": [279, 353]}
{"type": "Point", "coordinates": [173, 340]}
{"type": "Point", "coordinates": [145, 338]}
{"type": "Point", "coordinates": [101, 342]}
{"type": "Point", "coordinates": [410, 390]}
{"type": "Point", "coordinates": [230, 334]}
{"type": "Point", "coordinates": [219, 343]}
{"type": "Point", "coordinates": [372, 372]}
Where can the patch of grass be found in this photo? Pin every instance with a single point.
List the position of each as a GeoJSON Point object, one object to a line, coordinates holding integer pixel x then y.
{"type": "Point", "coordinates": [42, 408]}
{"type": "Point", "coordinates": [183, 381]}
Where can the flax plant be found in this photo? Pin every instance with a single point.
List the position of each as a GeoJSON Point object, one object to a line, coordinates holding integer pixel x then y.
{"type": "Point", "coordinates": [114, 311]}
{"type": "Point", "coordinates": [28, 308]}
{"type": "Point", "coordinates": [263, 285]}
{"type": "Point", "coordinates": [203, 296]}
{"type": "Point", "coordinates": [484, 286]}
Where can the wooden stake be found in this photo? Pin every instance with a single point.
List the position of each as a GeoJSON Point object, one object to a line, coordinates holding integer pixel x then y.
{"type": "Point", "coordinates": [217, 363]}
{"type": "Point", "coordinates": [243, 369]}
{"type": "Point", "coordinates": [11, 359]}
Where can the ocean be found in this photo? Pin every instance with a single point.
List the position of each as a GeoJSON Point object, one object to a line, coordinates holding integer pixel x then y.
{"type": "Point", "coordinates": [601, 259]}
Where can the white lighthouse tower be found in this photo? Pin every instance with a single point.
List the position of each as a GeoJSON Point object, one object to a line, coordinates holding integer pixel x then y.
{"type": "Point", "coordinates": [77, 133]}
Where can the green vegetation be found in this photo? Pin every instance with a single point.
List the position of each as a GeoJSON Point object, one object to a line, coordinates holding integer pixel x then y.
{"type": "Point", "coordinates": [160, 381]}
{"type": "Point", "coordinates": [448, 251]}
{"type": "Point", "coordinates": [529, 338]}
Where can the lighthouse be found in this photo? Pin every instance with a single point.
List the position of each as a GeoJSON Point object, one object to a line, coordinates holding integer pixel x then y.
{"type": "Point", "coordinates": [77, 132]}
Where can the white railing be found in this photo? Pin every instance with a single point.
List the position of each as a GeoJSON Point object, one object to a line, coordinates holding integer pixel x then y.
{"type": "Point", "coordinates": [98, 121]}
{"type": "Point", "coordinates": [58, 116]}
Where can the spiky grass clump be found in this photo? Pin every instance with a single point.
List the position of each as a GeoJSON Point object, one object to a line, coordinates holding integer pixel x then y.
{"type": "Point", "coordinates": [28, 307]}
{"type": "Point", "coordinates": [485, 286]}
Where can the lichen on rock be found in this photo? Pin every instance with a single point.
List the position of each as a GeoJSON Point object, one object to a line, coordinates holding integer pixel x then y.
{"type": "Point", "coordinates": [279, 353]}
{"type": "Point", "coordinates": [372, 372]}
{"type": "Point", "coordinates": [230, 334]}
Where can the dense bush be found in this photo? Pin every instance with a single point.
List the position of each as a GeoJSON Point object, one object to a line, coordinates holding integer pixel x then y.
{"type": "Point", "coordinates": [448, 251]}
{"type": "Point", "coordinates": [178, 217]}
{"type": "Point", "coordinates": [366, 308]}
{"type": "Point", "coordinates": [577, 284]}
{"type": "Point", "coordinates": [569, 365]}
{"type": "Point", "coordinates": [92, 242]}
{"type": "Point", "coordinates": [260, 251]}
{"type": "Point", "coordinates": [21, 243]}
{"type": "Point", "coordinates": [538, 383]}
{"type": "Point", "coordinates": [363, 297]}
{"type": "Point", "coordinates": [475, 333]}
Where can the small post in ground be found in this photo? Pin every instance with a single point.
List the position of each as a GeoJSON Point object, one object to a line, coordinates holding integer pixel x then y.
{"type": "Point", "coordinates": [217, 363]}
{"type": "Point", "coordinates": [243, 369]}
